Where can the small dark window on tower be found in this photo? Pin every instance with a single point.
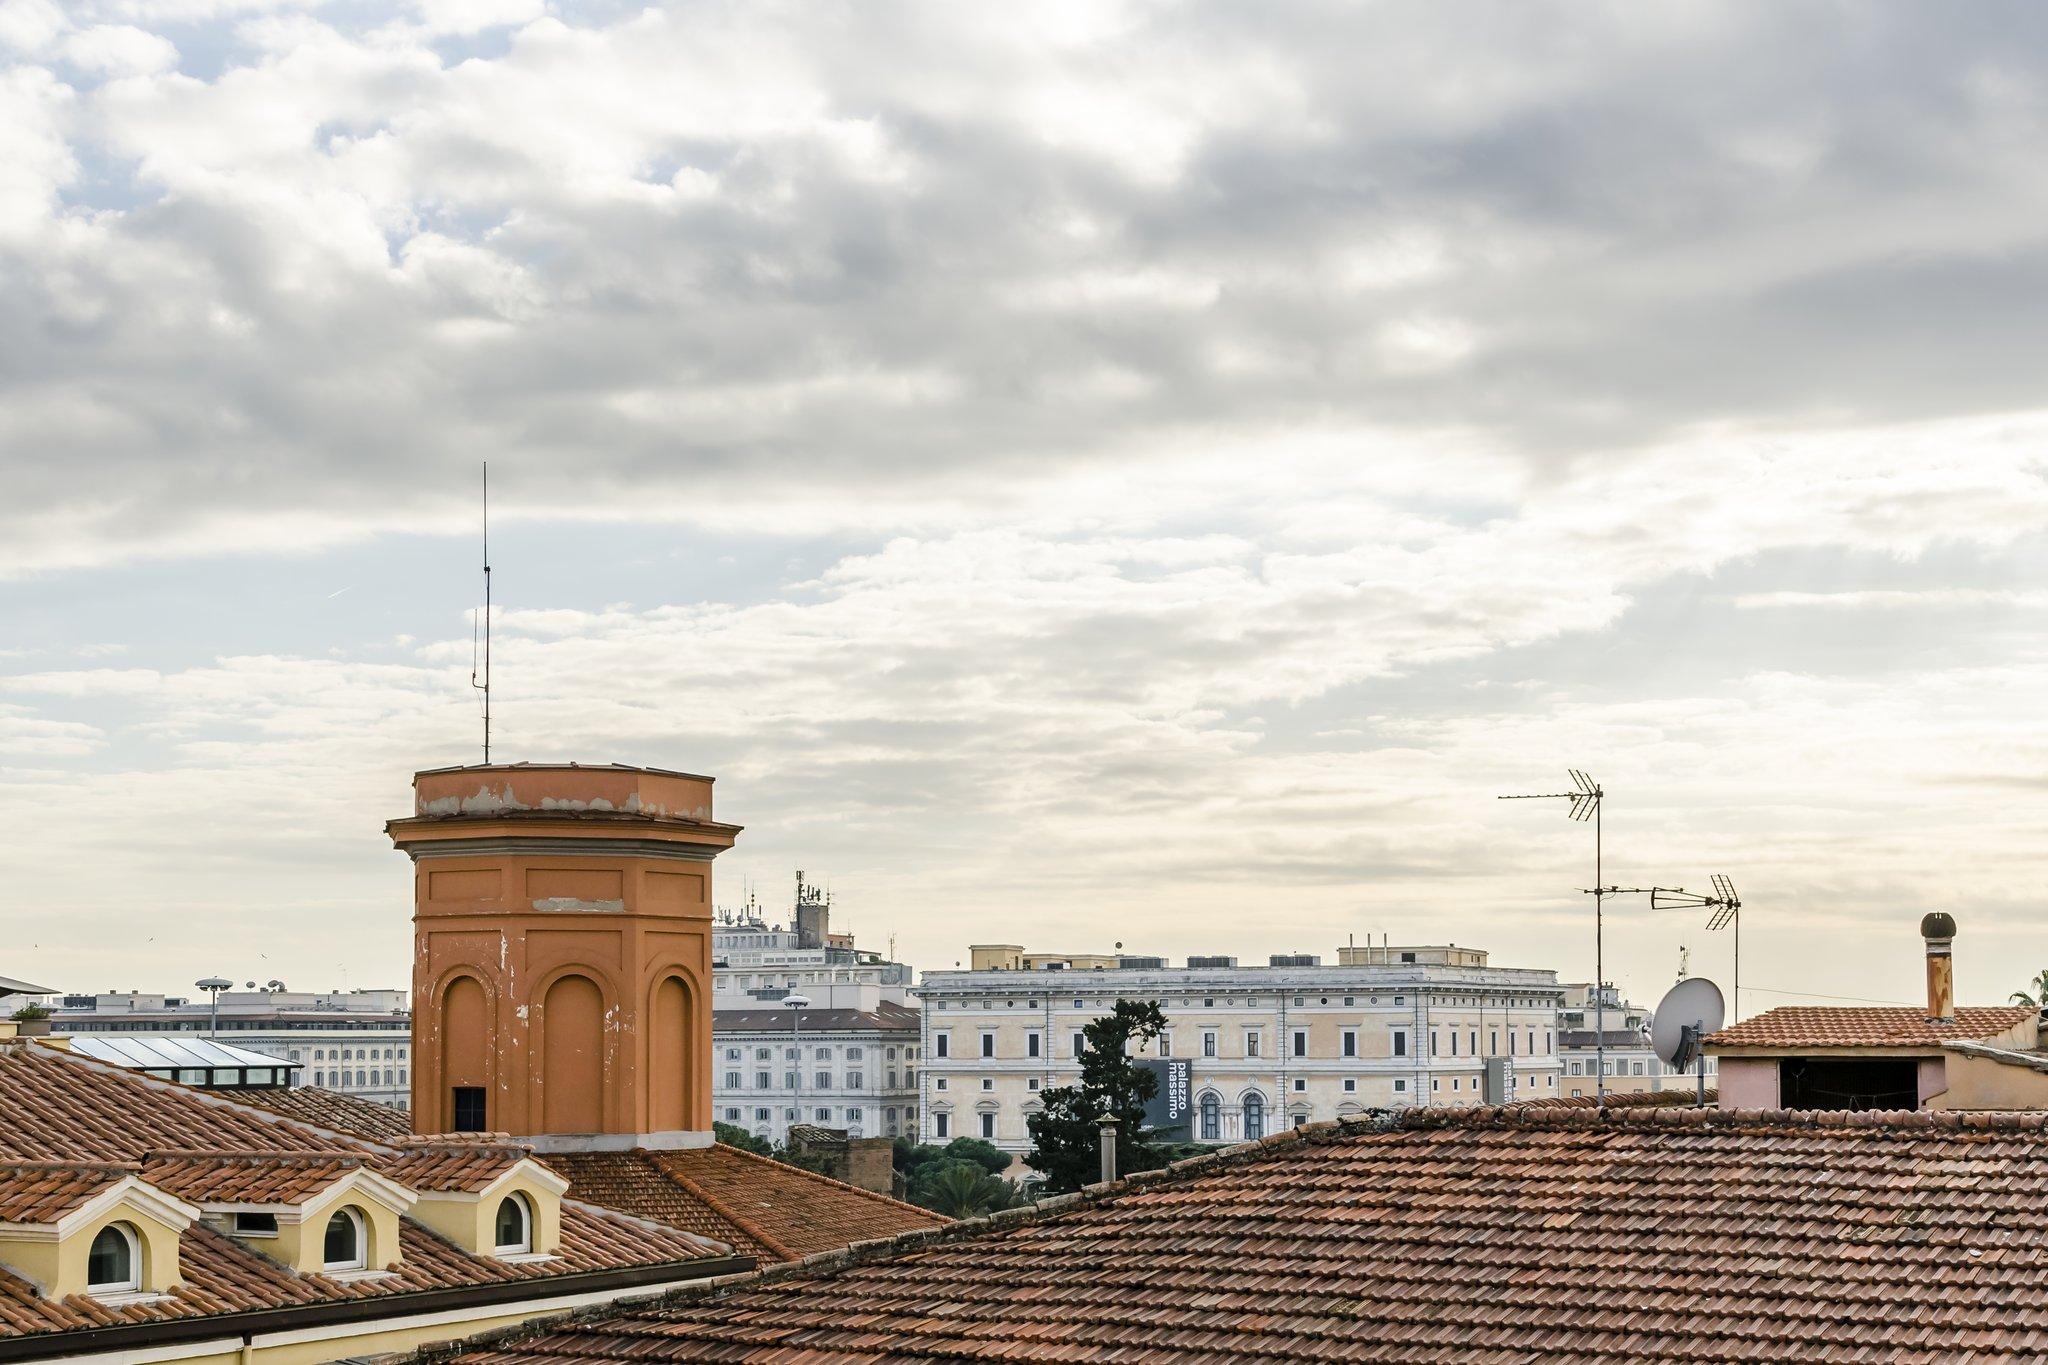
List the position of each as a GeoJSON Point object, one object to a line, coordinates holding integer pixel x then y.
{"type": "Point", "coordinates": [469, 1109]}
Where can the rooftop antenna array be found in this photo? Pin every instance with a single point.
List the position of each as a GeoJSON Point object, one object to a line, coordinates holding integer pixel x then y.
{"type": "Point", "coordinates": [1586, 798]}
{"type": "Point", "coordinates": [484, 686]}
{"type": "Point", "coordinates": [1723, 902]}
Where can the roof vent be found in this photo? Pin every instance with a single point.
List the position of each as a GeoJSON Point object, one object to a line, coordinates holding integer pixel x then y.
{"type": "Point", "coordinates": [1294, 960]}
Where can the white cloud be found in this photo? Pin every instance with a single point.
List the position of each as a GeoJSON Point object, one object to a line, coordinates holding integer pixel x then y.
{"type": "Point", "coordinates": [119, 50]}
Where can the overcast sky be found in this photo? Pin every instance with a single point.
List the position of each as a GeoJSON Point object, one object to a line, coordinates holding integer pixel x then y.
{"type": "Point", "coordinates": [1076, 473]}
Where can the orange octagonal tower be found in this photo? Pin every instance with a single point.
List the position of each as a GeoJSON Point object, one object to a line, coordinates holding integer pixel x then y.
{"type": "Point", "coordinates": [562, 953]}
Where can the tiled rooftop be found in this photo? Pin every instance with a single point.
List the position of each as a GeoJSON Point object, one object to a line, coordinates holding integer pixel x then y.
{"type": "Point", "coordinates": [43, 1192]}
{"type": "Point", "coordinates": [1644, 1234]}
{"type": "Point", "coordinates": [763, 1208]}
{"type": "Point", "coordinates": [247, 1177]}
{"type": "Point", "coordinates": [446, 1164]}
{"type": "Point", "coordinates": [333, 1110]}
{"type": "Point", "coordinates": [69, 1127]}
{"type": "Point", "coordinates": [1835, 1026]}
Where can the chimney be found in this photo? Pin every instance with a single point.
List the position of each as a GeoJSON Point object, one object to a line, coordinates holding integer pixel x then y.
{"type": "Point", "coordinates": [1939, 930]}
{"type": "Point", "coordinates": [1107, 1127]}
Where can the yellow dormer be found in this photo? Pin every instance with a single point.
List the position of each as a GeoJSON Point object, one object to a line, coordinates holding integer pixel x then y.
{"type": "Point", "coordinates": [92, 1231]}
{"type": "Point", "coordinates": [348, 1229]}
{"type": "Point", "coordinates": [516, 1211]}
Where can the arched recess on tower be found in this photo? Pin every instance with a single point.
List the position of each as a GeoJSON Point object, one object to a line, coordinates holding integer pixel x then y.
{"type": "Point", "coordinates": [674, 1055]}
{"type": "Point", "coordinates": [572, 1056]}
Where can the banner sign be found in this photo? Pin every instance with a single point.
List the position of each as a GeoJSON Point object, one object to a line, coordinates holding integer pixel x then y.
{"type": "Point", "coordinates": [1172, 1105]}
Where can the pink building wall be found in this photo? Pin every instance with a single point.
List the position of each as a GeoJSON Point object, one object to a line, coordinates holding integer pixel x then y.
{"type": "Point", "coordinates": [1749, 1082]}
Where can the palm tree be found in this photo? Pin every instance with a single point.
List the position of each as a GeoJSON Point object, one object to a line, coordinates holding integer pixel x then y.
{"type": "Point", "coordinates": [961, 1191]}
{"type": "Point", "coordinates": [2039, 994]}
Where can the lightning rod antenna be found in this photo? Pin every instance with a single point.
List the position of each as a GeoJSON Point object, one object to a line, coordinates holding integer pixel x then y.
{"type": "Point", "coordinates": [485, 686]}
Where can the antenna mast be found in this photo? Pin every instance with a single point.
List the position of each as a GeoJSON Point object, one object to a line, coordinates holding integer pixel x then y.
{"type": "Point", "coordinates": [485, 686]}
{"type": "Point", "coordinates": [1586, 798]}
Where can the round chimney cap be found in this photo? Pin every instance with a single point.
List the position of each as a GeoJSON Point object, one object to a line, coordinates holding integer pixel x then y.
{"type": "Point", "coordinates": [1940, 924]}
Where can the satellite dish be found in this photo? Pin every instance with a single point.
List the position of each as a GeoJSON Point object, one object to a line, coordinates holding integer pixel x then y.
{"type": "Point", "coordinates": [1693, 1002]}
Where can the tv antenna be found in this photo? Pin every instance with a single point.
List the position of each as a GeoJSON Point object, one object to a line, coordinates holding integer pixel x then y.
{"type": "Point", "coordinates": [1586, 798]}
{"type": "Point", "coordinates": [484, 686]}
{"type": "Point", "coordinates": [1723, 902]}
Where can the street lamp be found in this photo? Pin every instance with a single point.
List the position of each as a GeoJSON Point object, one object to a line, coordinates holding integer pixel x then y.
{"type": "Point", "coordinates": [214, 985]}
{"type": "Point", "coordinates": [797, 1005]}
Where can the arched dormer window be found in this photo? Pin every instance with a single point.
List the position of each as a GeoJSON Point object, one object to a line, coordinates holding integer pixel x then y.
{"type": "Point", "coordinates": [514, 1235]}
{"type": "Point", "coordinates": [344, 1247]}
{"type": "Point", "coordinates": [114, 1264]}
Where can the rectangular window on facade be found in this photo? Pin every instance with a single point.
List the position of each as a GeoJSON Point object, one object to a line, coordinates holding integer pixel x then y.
{"type": "Point", "coordinates": [942, 1125]}
{"type": "Point", "coordinates": [1031, 1045]}
{"type": "Point", "coordinates": [732, 1116]}
{"type": "Point", "coordinates": [1400, 1085]}
{"type": "Point", "coordinates": [1493, 1042]}
{"type": "Point", "coordinates": [1400, 1042]}
{"type": "Point", "coordinates": [1351, 1084]}
{"type": "Point", "coordinates": [763, 1081]}
{"type": "Point", "coordinates": [1208, 1044]}
{"type": "Point", "coordinates": [1251, 1043]}
{"type": "Point", "coordinates": [732, 1080]}
{"type": "Point", "coordinates": [760, 1116]}
{"type": "Point", "coordinates": [988, 1125]}
{"type": "Point", "coordinates": [988, 1045]}
{"type": "Point", "coordinates": [1166, 1044]}
{"type": "Point", "coordinates": [789, 1080]}
{"type": "Point", "coordinates": [1301, 1083]}
{"type": "Point", "coordinates": [1351, 1042]}
{"type": "Point", "coordinates": [1473, 1038]}
{"type": "Point", "coordinates": [469, 1109]}
{"type": "Point", "coordinates": [1031, 1083]}
{"type": "Point", "coordinates": [1436, 1043]}
{"type": "Point", "coordinates": [1300, 1043]}
{"type": "Point", "coordinates": [824, 1080]}
{"type": "Point", "coordinates": [854, 1080]}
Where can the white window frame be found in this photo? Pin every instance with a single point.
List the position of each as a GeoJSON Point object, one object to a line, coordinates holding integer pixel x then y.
{"type": "Point", "coordinates": [361, 1259]}
{"type": "Point", "coordinates": [524, 1245]}
{"type": "Point", "coordinates": [132, 1282]}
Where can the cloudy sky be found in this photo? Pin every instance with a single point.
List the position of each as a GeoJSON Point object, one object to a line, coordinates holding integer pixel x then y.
{"type": "Point", "coordinates": [1075, 473]}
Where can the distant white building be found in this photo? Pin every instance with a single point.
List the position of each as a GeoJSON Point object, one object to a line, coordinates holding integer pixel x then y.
{"type": "Point", "coordinates": [1269, 1046]}
{"type": "Point", "coordinates": [358, 1042]}
{"type": "Point", "coordinates": [847, 1059]}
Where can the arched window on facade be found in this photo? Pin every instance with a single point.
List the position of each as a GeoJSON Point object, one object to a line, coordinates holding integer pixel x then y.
{"type": "Point", "coordinates": [343, 1246]}
{"type": "Point", "coordinates": [1254, 1117]}
{"type": "Point", "coordinates": [515, 1226]}
{"type": "Point", "coordinates": [1212, 1119]}
{"type": "Point", "coordinates": [114, 1263]}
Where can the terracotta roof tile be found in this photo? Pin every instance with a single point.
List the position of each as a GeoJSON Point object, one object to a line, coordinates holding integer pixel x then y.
{"type": "Point", "coordinates": [56, 1106]}
{"type": "Point", "coordinates": [331, 1110]}
{"type": "Point", "coordinates": [449, 1165]}
{"type": "Point", "coordinates": [247, 1177]}
{"type": "Point", "coordinates": [103, 1123]}
{"type": "Point", "coordinates": [761, 1207]}
{"type": "Point", "coordinates": [1644, 1234]}
{"type": "Point", "coordinates": [1834, 1026]}
{"type": "Point", "coordinates": [43, 1192]}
